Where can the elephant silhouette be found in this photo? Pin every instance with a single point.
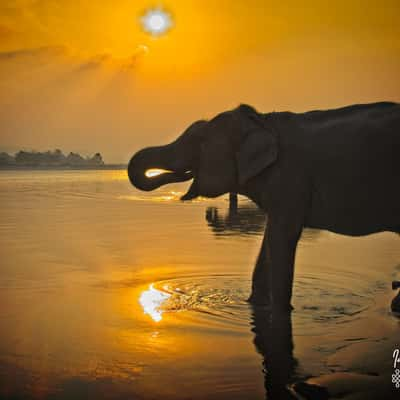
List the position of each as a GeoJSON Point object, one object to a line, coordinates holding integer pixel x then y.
{"type": "Point", "coordinates": [335, 170]}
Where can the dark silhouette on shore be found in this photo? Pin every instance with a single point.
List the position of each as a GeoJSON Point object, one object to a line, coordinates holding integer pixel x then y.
{"type": "Point", "coordinates": [395, 305]}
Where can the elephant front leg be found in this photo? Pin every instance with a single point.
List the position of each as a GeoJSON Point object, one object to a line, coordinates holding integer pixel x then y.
{"type": "Point", "coordinates": [261, 288]}
{"type": "Point", "coordinates": [282, 242]}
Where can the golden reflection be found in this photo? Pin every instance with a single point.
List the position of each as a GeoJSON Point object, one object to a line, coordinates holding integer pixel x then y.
{"type": "Point", "coordinates": [119, 174]}
{"type": "Point", "coordinates": [150, 173]}
{"type": "Point", "coordinates": [151, 301]}
{"type": "Point", "coordinates": [169, 196]}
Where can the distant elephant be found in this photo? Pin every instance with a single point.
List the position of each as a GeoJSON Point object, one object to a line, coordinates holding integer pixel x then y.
{"type": "Point", "coordinates": [337, 170]}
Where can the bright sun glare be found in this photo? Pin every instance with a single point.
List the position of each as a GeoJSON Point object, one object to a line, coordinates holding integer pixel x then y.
{"type": "Point", "coordinates": [151, 301]}
{"type": "Point", "coordinates": [156, 21]}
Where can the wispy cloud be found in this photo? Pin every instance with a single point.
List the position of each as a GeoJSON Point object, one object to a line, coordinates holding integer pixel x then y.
{"type": "Point", "coordinates": [46, 51]}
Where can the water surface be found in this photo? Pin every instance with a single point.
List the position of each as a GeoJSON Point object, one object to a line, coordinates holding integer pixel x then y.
{"type": "Point", "coordinates": [107, 292]}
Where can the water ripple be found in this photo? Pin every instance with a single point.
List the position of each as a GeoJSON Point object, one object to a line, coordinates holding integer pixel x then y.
{"type": "Point", "coordinates": [322, 300]}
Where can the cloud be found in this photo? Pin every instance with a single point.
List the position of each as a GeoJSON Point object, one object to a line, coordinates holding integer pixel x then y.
{"type": "Point", "coordinates": [95, 62]}
{"type": "Point", "coordinates": [84, 63]}
{"type": "Point", "coordinates": [46, 51]}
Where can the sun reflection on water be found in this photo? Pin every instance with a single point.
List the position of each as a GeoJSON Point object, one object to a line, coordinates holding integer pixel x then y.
{"type": "Point", "coordinates": [151, 301]}
{"type": "Point", "coordinates": [168, 197]}
{"type": "Point", "coordinates": [150, 173]}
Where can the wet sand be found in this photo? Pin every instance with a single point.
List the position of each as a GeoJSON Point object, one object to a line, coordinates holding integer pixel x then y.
{"type": "Point", "coordinates": [109, 293]}
{"type": "Point", "coordinates": [362, 368]}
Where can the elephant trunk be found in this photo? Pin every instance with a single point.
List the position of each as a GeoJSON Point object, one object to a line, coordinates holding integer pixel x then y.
{"type": "Point", "coordinates": [166, 158]}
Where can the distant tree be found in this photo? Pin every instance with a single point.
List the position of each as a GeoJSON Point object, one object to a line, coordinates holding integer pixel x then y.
{"type": "Point", "coordinates": [50, 158]}
{"type": "Point", "coordinates": [97, 159]}
{"type": "Point", "coordinates": [59, 157]}
{"type": "Point", "coordinates": [34, 158]}
{"type": "Point", "coordinates": [75, 159]}
{"type": "Point", "coordinates": [6, 159]}
{"type": "Point", "coordinates": [25, 158]}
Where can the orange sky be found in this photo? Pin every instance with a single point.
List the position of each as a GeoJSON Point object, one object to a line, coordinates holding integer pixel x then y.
{"type": "Point", "coordinates": [76, 75]}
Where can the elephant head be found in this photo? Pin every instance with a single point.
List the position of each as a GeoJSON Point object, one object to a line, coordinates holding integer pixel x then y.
{"type": "Point", "coordinates": [220, 155]}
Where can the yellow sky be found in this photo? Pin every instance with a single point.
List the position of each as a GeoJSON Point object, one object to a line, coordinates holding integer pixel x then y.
{"type": "Point", "coordinates": [77, 75]}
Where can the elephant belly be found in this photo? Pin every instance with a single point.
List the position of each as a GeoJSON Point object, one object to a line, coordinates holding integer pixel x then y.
{"type": "Point", "coordinates": [356, 207]}
{"type": "Point", "coordinates": [356, 183]}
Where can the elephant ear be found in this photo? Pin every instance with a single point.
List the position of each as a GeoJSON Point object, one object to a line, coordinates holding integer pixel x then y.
{"type": "Point", "coordinates": [259, 148]}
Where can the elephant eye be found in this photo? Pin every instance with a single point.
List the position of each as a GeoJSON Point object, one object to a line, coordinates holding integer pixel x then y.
{"type": "Point", "coordinates": [152, 172]}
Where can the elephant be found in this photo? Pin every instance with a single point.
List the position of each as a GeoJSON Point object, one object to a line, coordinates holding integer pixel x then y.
{"type": "Point", "coordinates": [335, 170]}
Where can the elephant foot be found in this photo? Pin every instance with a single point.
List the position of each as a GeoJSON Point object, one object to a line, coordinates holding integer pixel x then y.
{"type": "Point", "coordinates": [281, 310]}
{"type": "Point", "coordinates": [281, 302]}
{"type": "Point", "coordinates": [259, 300]}
{"type": "Point", "coordinates": [263, 299]}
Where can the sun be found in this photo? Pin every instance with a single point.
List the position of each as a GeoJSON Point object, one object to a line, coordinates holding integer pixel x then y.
{"type": "Point", "coordinates": [156, 21]}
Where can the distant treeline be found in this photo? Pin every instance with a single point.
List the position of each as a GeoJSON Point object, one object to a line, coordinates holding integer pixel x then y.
{"type": "Point", "coordinates": [49, 159]}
